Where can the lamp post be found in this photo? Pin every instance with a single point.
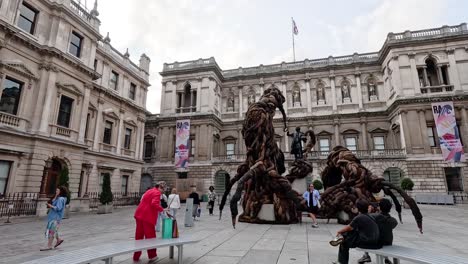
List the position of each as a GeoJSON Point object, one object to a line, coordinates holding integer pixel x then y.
{"type": "Point", "coordinates": [88, 168]}
{"type": "Point", "coordinates": [43, 193]}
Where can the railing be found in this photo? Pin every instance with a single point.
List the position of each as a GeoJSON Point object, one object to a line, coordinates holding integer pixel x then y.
{"type": "Point", "coordinates": [127, 152]}
{"type": "Point", "coordinates": [63, 131]}
{"type": "Point", "coordinates": [89, 142]}
{"type": "Point", "coordinates": [437, 89]}
{"type": "Point", "coordinates": [22, 204]}
{"type": "Point", "coordinates": [229, 158]}
{"type": "Point", "coordinates": [120, 58]}
{"type": "Point", "coordinates": [107, 147]}
{"type": "Point", "coordinates": [189, 64]}
{"type": "Point", "coordinates": [428, 33]}
{"type": "Point", "coordinates": [10, 120]}
{"type": "Point", "coordinates": [79, 10]}
{"type": "Point", "coordinates": [188, 109]}
{"type": "Point", "coordinates": [119, 199]}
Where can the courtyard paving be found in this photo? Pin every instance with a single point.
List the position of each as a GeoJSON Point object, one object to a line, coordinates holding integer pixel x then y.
{"type": "Point", "coordinates": [445, 231]}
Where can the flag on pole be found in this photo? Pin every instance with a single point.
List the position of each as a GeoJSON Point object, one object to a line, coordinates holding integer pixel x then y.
{"type": "Point", "coordinates": [295, 30]}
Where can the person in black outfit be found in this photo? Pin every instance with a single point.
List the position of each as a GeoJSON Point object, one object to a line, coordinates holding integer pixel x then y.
{"type": "Point", "coordinates": [362, 232]}
{"type": "Point", "coordinates": [386, 225]}
{"type": "Point", "coordinates": [196, 202]}
{"type": "Point", "coordinates": [296, 145]}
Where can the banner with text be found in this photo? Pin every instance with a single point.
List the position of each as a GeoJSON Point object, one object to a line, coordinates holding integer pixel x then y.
{"type": "Point", "coordinates": [448, 132]}
{"type": "Point", "coordinates": [182, 141]}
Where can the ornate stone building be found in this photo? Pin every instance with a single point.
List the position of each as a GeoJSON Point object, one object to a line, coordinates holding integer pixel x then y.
{"type": "Point", "coordinates": [377, 104]}
{"type": "Point", "coordinates": [68, 100]}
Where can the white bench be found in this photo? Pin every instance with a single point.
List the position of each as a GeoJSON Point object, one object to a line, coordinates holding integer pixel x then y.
{"type": "Point", "coordinates": [106, 252]}
{"type": "Point", "coordinates": [434, 198]}
{"type": "Point", "coordinates": [413, 255]}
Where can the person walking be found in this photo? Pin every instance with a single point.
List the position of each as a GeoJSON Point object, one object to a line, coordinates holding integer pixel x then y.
{"type": "Point", "coordinates": [196, 202]}
{"type": "Point", "coordinates": [162, 215]}
{"type": "Point", "coordinates": [146, 216]}
{"type": "Point", "coordinates": [312, 198]}
{"type": "Point", "coordinates": [211, 199]}
{"type": "Point", "coordinates": [54, 217]}
{"type": "Point", "coordinates": [174, 202]}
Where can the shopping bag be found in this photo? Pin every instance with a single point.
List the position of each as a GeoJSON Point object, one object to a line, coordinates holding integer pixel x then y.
{"type": "Point", "coordinates": [175, 229]}
{"type": "Point", "coordinates": [198, 212]}
{"type": "Point", "coordinates": [167, 228]}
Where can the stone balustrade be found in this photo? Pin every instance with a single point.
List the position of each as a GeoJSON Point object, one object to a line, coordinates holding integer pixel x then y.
{"type": "Point", "coordinates": [118, 57]}
{"type": "Point", "coordinates": [428, 33]}
{"type": "Point", "coordinates": [107, 148]}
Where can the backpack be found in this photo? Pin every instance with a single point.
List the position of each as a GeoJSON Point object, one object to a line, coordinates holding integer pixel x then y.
{"type": "Point", "coordinates": [163, 203]}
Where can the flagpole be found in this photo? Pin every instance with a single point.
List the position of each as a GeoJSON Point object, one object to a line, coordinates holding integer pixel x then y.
{"type": "Point", "coordinates": [292, 33]}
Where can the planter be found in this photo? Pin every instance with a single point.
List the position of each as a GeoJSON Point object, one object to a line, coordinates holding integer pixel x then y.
{"type": "Point", "coordinates": [66, 212]}
{"type": "Point", "coordinates": [105, 208]}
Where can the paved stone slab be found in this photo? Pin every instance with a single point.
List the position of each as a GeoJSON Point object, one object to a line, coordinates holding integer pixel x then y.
{"type": "Point", "coordinates": [255, 256]}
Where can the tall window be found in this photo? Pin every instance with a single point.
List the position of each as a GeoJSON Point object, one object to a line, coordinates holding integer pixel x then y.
{"type": "Point", "coordinates": [230, 149]}
{"type": "Point", "coordinates": [10, 96]}
{"type": "Point", "coordinates": [27, 19]}
{"type": "Point", "coordinates": [128, 138]}
{"type": "Point", "coordinates": [379, 142]}
{"type": "Point", "coordinates": [75, 44]}
{"type": "Point", "coordinates": [4, 172]}
{"type": "Point", "coordinates": [95, 64]}
{"type": "Point", "coordinates": [351, 143]}
{"type": "Point", "coordinates": [324, 144]}
{"type": "Point", "coordinates": [124, 187]}
{"type": "Point", "coordinates": [131, 92]}
{"type": "Point", "coordinates": [431, 137]}
{"type": "Point", "coordinates": [107, 132]}
{"type": "Point", "coordinates": [149, 148]}
{"type": "Point", "coordinates": [88, 116]}
{"type": "Point", "coordinates": [114, 80]}
{"type": "Point", "coordinates": [65, 110]}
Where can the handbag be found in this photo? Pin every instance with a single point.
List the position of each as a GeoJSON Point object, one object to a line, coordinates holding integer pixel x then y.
{"type": "Point", "coordinates": [175, 229]}
{"type": "Point", "coordinates": [167, 228]}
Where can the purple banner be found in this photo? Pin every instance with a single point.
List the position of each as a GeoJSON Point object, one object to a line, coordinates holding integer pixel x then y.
{"type": "Point", "coordinates": [182, 140]}
{"type": "Point", "coordinates": [447, 130]}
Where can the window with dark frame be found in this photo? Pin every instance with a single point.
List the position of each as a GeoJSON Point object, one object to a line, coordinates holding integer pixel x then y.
{"type": "Point", "coordinates": [76, 41]}
{"type": "Point", "coordinates": [124, 186]}
{"type": "Point", "coordinates": [454, 179]}
{"type": "Point", "coordinates": [128, 138]}
{"type": "Point", "coordinates": [65, 109]}
{"type": "Point", "coordinates": [379, 142]}
{"type": "Point", "coordinates": [107, 132]}
{"type": "Point", "coordinates": [131, 91]}
{"type": "Point", "coordinates": [5, 166]}
{"type": "Point", "coordinates": [230, 149]}
{"type": "Point", "coordinates": [114, 80]}
{"type": "Point", "coordinates": [351, 143]}
{"type": "Point", "coordinates": [95, 64]}
{"type": "Point", "coordinates": [182, 175]}
{"type": "Point", "coordinates": [149, 148]}
{"type": "Point", "coordinates": [431, 137]}
{"type": "Point", "coordinates": [28, 18]}
{"type": "Point", "coordinates": [11, 93]}
{"type": "Point", "coordinates": [324, 144]}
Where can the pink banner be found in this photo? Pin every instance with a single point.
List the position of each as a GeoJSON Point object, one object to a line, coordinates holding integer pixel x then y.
{"type": "Point", "coordinates": [182, 141]}
{"type": "Point", "coordinates": [447, 130]}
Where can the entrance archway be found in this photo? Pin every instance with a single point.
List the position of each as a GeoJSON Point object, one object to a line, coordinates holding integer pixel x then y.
{"type": "Point", "coordinates": [221, 180]}
{"type": "Point", "coordinates": [393, 175]}
{"type": "Point", "coordinates": [53, 177]}
{"type": "Point", "coordinates": [146, 182]}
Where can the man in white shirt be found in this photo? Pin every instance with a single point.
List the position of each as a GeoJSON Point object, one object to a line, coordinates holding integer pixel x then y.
{"type": "Point", "coordinates": [312, 197]}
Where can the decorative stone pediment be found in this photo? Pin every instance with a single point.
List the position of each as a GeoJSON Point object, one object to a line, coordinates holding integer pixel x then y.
{"type": "Point", "coordinates": [19, 68]}
{"type": "Point", "coordinates": [110, 113]}
{"type": "Point", "coordinates": [92, 106]}
{"type": "Point", "coordinates": [378, 131]}
{"type": "Point", "coordinates": [229, 138]}
{"type": "Point", "coordinates": [71, 88]}
{"type": "Point", "coordinates": [130, 121]}
{"type": "Point", "coordinates": [350, 131]}
{"type": "Point", "coordinates": [324, 133]}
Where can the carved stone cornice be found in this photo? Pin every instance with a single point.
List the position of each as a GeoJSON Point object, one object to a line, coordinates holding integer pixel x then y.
{"type": "Point", "coordinates": [48, 67]}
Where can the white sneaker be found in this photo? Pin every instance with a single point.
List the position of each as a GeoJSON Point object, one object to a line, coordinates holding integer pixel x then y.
{"type": "Point", "coordinates": [315, 225]}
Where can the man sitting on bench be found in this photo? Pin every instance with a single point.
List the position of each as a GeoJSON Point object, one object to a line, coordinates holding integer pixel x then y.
{"type": "Point", "coordinates": [386, 225]}
{"type": "Point", "coordinates": [362, 232]}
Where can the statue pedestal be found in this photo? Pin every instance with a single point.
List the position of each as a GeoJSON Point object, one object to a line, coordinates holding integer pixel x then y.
{"type": "Point", "coordinates": [373, 98]}
{"type": "Point", "coordinates": [267, 213]}
{"type": "Point", "coordinates": [297, 104]}
{"type": "Point", "coordinates": [346, 100]}
{"type": "Point", "coordinates": [230, 109]}
{"type": "Point", "coordinates": [321, 102]}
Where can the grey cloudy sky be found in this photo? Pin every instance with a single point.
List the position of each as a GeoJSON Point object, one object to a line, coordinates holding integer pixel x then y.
{"type": "Point", "coordinates": [248, 33]}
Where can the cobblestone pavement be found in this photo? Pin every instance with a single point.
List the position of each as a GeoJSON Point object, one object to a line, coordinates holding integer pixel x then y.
{"type": "Point", "coordinates": [445, 232]}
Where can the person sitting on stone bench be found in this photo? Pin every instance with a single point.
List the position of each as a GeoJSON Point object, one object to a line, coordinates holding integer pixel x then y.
{"type": "Point", "coordinates": [362, 232]}
{"type": "Point", "coordinates": [386, 225]}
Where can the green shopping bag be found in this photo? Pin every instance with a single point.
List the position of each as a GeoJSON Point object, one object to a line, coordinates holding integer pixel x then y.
{"type": "Point", "coordinates": [167, 228]}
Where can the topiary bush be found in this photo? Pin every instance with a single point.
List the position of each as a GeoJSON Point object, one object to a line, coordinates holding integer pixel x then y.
{"type": "Point", "coordinates": [63, 181]}
{"type": "Point", "coordinates": [318, 185]}
{"type": "Point", "coordinates": [407, 184]}
{"type": "Point", "coordinates": [106, 196]}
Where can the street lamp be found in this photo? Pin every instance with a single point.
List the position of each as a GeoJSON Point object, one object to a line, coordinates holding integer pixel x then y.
{"type": "Point", "coordinates": [48, 164]}
{"type": "Point", "coordinates": [88, 168]}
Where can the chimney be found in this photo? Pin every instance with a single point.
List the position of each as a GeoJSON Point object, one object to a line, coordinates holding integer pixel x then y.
{"type": "Point", "coordinates": [144, 63]}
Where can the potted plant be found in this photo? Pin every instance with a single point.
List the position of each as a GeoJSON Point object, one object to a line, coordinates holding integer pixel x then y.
{"type": "Point", "coordinates": [407, 185]}
{"type": "Point", "coordinates": [318, 185]}
{"type": "Point", "coordinates": [105, 198]}
{"type": "Point", "coordinates": [63, 181]}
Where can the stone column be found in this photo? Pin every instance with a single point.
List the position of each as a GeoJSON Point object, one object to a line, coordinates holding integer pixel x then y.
{"type": "Point", "coordinates": [414, 74]}
{"type": "Point", "coordinates": [333, 91]}
{"type": "Point", "coordinates": [138, 139]}
{"type": "Point", "coordinates": [426, 80]}
{"type": "Point", "coordinates": [365, 144]}
{"type": "Point", "coordinates": [405, 133]}
{"type": "Point", "coordinates": [359, 89]}
{"type": "Point", "coordinates": [210, 142]}
{"type": "Point", "coordinates": [284, 91]}
{"type": "Point", "coordinates": [240, 102]}
{"type": "Point", "coordinates": [197, 141]}
{"type": "Point", "coordinates": [99, 122]}
{"type": "Point", "coordinates": [50, 93]}
{"type": "Point", "coordinates": [440, 78]}
{"type": "Point", "coordinates": [142, 137]}
{"type": "Point", "coordinates": [423, 126]}
{"type": "Point", "coordinates": [286, 142]}
{"type": "Point", "coordinates": [174, 96]}
{"type": "Point", "coordinates": [464, 127]}
{"type": "Point", "coordinates": [336, 126]}
{"type": "Point", "coordinates": [199, 94]}
{"type": "Point", "coordinates": [453, 71]}
{"type": "Point", "coordinates": [84, 114]}
{"type": "Point", "coordinates": [309, 102]}
{"type": "Point", "coordinates": [120, 130]}
{"type": "Point", "coordinates": [240, 149]}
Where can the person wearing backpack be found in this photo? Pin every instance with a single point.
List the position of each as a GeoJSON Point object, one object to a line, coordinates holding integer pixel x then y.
{"type": "Point", "coordinates": [386, 224]}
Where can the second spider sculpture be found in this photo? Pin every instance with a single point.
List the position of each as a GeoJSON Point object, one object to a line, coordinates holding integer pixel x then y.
{"type": "Point", "coordinates": [260, 176]}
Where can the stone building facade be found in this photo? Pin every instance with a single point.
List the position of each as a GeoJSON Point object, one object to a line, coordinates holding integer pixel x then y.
{"type": "Point", "coordinates": [68, 100]}
{"type": "Point", "coordinates": [377, 104]}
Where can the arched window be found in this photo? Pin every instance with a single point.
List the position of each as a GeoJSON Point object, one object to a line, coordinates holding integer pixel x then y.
{"type": "Point", "coordinates": [187, 100]}
{"type": "Point", "coordinates": [320, 93]}
{"type": "Point", "coordinates": [372, 89]}
{"type": "Point", "coordinates": [296, 96]}
{"type": "Point", "coordinates": [432, 74]}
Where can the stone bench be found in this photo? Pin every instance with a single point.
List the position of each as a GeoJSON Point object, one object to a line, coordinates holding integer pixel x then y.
{"type": "Point", "coordinates": [413, 255]}
{"type": "Point", "coordinates": [106, 252]}
{"type": "Point", "coordinates": [434, 198]}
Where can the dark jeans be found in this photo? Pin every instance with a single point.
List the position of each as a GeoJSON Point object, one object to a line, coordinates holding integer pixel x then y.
{"type": "Point", "coordinates": [351, 240]}
{"type": "Point", "coordinates": [211, 207]}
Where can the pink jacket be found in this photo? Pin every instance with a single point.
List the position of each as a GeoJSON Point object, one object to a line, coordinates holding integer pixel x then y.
{"type": "Point", "coordinates": [150, 206]}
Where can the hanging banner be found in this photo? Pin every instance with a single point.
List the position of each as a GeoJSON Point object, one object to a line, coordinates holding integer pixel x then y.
{"type": "Point", "coordinates": [182, 141]}
{"type": "Point", "coordinates": [448, 132]}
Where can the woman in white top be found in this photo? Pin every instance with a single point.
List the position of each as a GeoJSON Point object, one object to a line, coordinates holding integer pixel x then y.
{"type": "Point", "coordinates": [173, 202]}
